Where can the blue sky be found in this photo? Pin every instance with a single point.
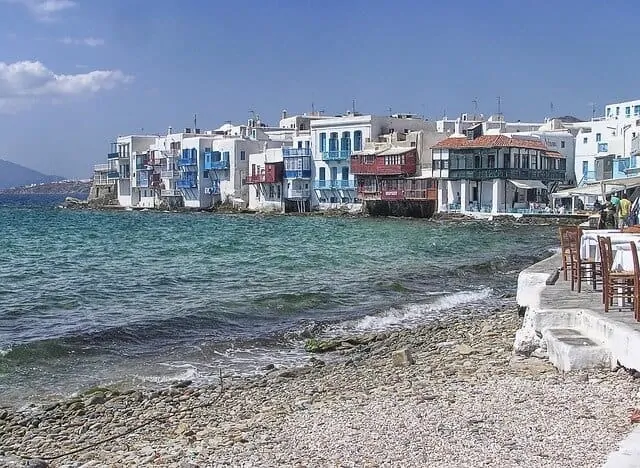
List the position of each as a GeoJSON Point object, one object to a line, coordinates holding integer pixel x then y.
{"type": "Point", "coordinates": [76, 73]}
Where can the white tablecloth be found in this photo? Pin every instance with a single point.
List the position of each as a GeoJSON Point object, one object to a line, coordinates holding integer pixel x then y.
{"type": "Point", "coordinates": [622, 257]}
{"type": "Point", "coordinates": [589, 241]}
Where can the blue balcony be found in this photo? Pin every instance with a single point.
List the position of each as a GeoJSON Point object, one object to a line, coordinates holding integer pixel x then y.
{"type": "Point", "coordinates": [289, 152]}
{"type": "Point", "coordinates": [216, 165]}
{"type": "Point", "coordinates": [334, 184]}
{"type": "Point", "coordinates": [345, 184]}
{"type": "Point", "coordinates": [113, 155]}
{"type": "Point", "coordinates": [113, 175]}
{"type": "Point", "coordinates": [340, 155]}
{"type": "Point", "coordinates": [306, 174]}
{"type": "Point", "coordinates": [187, 162]}
{"type": "Point", "coordinates": [186, 183]}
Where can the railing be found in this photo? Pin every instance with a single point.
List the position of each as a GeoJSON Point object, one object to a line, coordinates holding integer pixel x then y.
{"type": "Point", "coordinates": [169, 174]}
{"type": "Point", "coordinates": [170, 193]}
{"type": "Point", "coordinates": [288, 152]}
{"type": "Point", "coordinates": [124, 155]}
{"type": "Point", "coordinates": [262, 178]}
{"type": "Point", "coordinates": [303, 193]}
{"type": "Point", "coordinates": [306, 174]}
{"type": "Point", "coordinates": [421, 194]}
{"type": "Point", "coordinates": [383, 169]}
{"type": "Point", "coordinates": [334, 184]}
{"type": "Point", "coordinates": [522, 174]}
{"type": "Point", "coordinates": [217, 165]}
{"type": "Point", "coordinates": [101, 167]}
{"type": "Point", "coordinates": [392, 194]}
{"type": "Point", "coordinates": [125, 175]}
{"type": "Point", "coordinates": [336, 155]}
{"type": "Point", "coordinates": [113, 175]}
{"type": "Point", "coordinates": [187, 162]}
{"type": "Point", "coordinates": [113, 155]}
{"type": "Point", "coordinates": [186, 183]}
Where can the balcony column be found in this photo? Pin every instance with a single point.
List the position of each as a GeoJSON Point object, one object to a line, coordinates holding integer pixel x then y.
{"type": "Point", "coordinates": [443, 199]}
{"type": "Point", "coordinates": [497, 195]}
{"type": "Point", "coordinates": [451, 193]}
{"type": "Point", "coordinates": [464, 195]}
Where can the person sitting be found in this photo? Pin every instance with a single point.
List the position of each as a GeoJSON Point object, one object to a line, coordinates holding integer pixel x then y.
{"type": "Point", "coordinates": [597, 206]}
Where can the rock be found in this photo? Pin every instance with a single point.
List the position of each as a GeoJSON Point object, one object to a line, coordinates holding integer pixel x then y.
{"type": "Point", "coordinates": [402, 357]}
{"type": "Point", "coordinates": [182, 384]}
{"type": "Point", "coordinates": [464, 349]}
{"type": "Point", "coordinates": [314, 345]}
{"type": "Point", "coordinates": [526, 341]}
{"type": "Point", "coordinates": [269, 367]}
{"type": "Point", "coordinates": [36, 463]}
{"type": "Point", "coordinates": [96, 399]}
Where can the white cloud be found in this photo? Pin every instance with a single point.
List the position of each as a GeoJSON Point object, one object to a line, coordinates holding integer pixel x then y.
{"type": "Point", "coordinates": [23, 83]}
{"type": "Point", "coordinates": [88, 41]}
{"type": "Point", "coordinates": [45, 10]}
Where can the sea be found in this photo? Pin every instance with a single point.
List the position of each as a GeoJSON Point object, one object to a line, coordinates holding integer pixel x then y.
{"type": "Point", "coordinates": [137, 299]}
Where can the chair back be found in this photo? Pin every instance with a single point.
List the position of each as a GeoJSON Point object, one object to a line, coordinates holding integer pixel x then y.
{"type": "Point", "coordinates": [565, 236]}
{"type": "Point", "coordinates": [634, 255]}
{"type": "Point", "coordinates": [606, 260]}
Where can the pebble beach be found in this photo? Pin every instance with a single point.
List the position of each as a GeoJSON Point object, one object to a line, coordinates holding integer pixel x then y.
{"type": "Point", "coordinates": [461, 400]}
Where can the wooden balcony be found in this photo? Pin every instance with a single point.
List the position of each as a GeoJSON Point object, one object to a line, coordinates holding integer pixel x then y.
{"type": "Point", "coordinates": [271, 174]}
{"type": "Point", "coordinates": [394, 161]}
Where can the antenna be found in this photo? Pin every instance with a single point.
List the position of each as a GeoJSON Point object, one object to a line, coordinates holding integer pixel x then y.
{"type": "Point", "coordinates": [551, 107]}
{"type": "Point", "coordinates": [195, 121]}
{"type": "Point", "coordinates": [253, 113]}
{"type": "Point", "coordinates": [499, 105]}
{"type": "Point", "coordinates": [313, 109]}
{"type": "Point", "coordinates": [593, 109]}
{"type": "Point", "coordinates": [389, 109]}
{"type": "Point", "coordinates": [475, 108]}
{"type": "Point", "coordinates": [353, 106]}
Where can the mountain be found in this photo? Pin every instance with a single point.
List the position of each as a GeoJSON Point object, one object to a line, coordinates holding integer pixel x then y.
{"type": "Point", "coordinates": [569, 119]}
{"type": "Point", "coordinates": [15, 175]}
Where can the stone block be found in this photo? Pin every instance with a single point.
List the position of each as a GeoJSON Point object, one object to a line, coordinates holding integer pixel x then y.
{"type": "Point", "coordinates": [402, 357]}
{"type": "Point", "coordinates": [570, 350]}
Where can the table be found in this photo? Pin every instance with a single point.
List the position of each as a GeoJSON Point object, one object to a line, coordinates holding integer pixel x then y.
{"type": "Point", "coordinates": [622, 257]}
{"type": "Point", "coordinates": [589, 241]}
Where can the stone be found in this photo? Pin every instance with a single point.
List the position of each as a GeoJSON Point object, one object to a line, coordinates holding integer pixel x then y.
{"type": "Point", "coordinates": [36, 463]}
{"type": "Point", "coordinates": [464, 349]}
{"type": "Point", "coordinates": [526, 341]}
{"type": "Point", "coordinates": [402, 357]}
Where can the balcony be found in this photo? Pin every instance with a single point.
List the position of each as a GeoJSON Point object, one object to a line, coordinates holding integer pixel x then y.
{"type": "Point", "coordinates": [298, 194]}
{"type": "Point", "coordinates": [169, 174]}
{"type": "Point", "coordinates": [288, 152]}
{"type": "Point", "coordinates": [380, 164]}
{"type": "Point", "coordinates": [421, 194]}
{"type": "Point", "coordinates": [113, 155]}
{"type": "Point", "coordinates": [170, 193]}
{"type": "Point", "coordinates": [305, 174]}
{"type": "Point", "coordinates": [101, 168]}
{"type": "Point", "coordinates": [187, 162]}
{"type": "Point", "coordinates": [522, 174]}
{"type": "Point", "coordinates": [186, 183]}
{"type": "Point", "coordinates": [333, 184]}
{"type": "Point", "coordinates": [113, 174]}
{"type": "Point", "coordinates": [336, 155]}
{"type": "Point", "coordinates": [216, 165]}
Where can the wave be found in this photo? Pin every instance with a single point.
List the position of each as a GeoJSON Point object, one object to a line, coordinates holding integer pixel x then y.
{"type": "Point", "coordinates": [412, 314]}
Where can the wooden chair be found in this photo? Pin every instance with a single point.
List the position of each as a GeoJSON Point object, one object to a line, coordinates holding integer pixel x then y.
{"type": "Point", "coordinates": [620, 285]}
{"type": "Point", "coordinates": [636, 278]}
{"type": "Point", "coordinates": [588, 269]}
{"type": "Point", "coordinates": [565, 250]}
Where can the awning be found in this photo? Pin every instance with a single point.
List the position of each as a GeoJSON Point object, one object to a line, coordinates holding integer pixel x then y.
{"type": "Point", "coordinates": [528, 184]}
{"type": "Point", "coordinates": [607, 187]}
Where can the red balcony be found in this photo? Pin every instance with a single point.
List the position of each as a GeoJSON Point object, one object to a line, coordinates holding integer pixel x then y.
{"type": "Point", "coordinates": [271, 174]}
{"type": "Point", "coordinates": [374, 188]}
{"type": "Point", "coordinates": [392, 161]}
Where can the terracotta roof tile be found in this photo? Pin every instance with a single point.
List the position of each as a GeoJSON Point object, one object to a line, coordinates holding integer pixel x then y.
{"type": "Point", "coordinates": [491, 141]}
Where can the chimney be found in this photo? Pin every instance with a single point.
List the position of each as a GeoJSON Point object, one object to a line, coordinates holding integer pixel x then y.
{"type": "Point", "coordinates": [169, 131]}
{"type": "Point", "coordinates": [284, 113]}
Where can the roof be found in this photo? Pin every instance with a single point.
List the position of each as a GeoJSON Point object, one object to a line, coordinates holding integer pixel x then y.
{"type": "Point", "coordinates": [597, 188]}
{"type": "Point", "coordinates": [554, 154]}
{"type": "Point", "coordinates": [491, 141]}
{"type": "Point", "coordinates": [386, 151]}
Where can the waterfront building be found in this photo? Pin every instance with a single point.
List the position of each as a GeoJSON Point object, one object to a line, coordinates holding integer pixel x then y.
{"type": "Point", "coordinates": [127, 159]}
{"type": "Point", "coordinates": [493, 173]}
{"type": "Point", "coordinates": [604, 145]}
{"type": "Point", "coordinates": [266, 180]}
{"type": "Point", "coordinates": [332, 142]}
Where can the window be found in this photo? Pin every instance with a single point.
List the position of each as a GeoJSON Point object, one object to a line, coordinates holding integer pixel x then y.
{"type": "Point", "coordinates": [225, 155]}
{"type": "Point", "coordinates": [617, 111]}
{"type": "Point", "coordinates": [357, 140]}
{"type": "Point", "coordinates": [333, 141]}
{"type": "Point", "coordinates": [243, 155]}
{"type": "Point", "coordinates": [598, 136]}
{"type": "Point", "coordinates": [307, 144]}
{"type": "Point", "coordinates": [636, 110]}
{"type": "Point", "coordinates": [585, 168]}
{"type": "Point", "coordinates": [321, 173]}
{"type": "Point", "coordinates": [345, 173]}
{"type": "Point", "coordinates": [445, 164]}
{"type": "Point", "coordinates": [345, 142]}
{"type": "Point", "coordinates": [323, 141]}
{"type": "Point", "coordinates": [562, 144]}
{"type": "Point", "coordinates": [603, 147]}
{"type": "Point", "coordinates": [205, 174]}
{"type": "Point", "coordinates": [271, 194]}
{"type": "Point", "coordinates": [585, 140]}
{"type": "Point", "coordinates": [608, 111]}
{"type": "Point", "coordinates": [506, 161]}
{"type": "Point", "coordinates": [299, 145]}
{"type": "Point", "coordinates": [627, 111]}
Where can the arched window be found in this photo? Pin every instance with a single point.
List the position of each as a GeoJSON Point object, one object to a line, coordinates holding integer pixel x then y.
{"type": "Point", "coordinates": [345, 142]}
{"type": "Point", "coordinates": [357, 140]}
{"type": "Point", "coordinates": [333, 141]}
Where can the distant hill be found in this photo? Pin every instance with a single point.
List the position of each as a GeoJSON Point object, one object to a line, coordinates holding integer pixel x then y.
{"type": "Point", "coordinates": [15, 175]}
{"type": "Point", "coordinates": [79, 188]}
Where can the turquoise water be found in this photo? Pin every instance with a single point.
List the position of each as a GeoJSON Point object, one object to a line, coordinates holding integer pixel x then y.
{"type": "Point", "coordinates": [136, 298]}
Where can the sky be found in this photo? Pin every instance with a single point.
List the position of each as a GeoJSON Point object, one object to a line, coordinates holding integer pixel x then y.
{"type": "Point", "coordinates": [75, 74]}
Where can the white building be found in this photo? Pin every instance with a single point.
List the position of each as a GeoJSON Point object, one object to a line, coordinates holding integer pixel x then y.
{"type": "Point", "coordinates": [603, 144]}
{"type": "Point", "coordinates": [265, 180]}
{"type": "Point", "coordinates": [332, 142]}
{"type": "Point", "coordinates": [128, 154]}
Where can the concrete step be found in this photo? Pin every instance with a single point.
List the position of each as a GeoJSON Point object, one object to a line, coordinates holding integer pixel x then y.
{"type": "Point", "coordinates": [570, 350]}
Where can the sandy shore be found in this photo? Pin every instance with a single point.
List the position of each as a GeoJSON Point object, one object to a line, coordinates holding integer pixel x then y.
{"type": "Point", "coordinates": [465, 402]}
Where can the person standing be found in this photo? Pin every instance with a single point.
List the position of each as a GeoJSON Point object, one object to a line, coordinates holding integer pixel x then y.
{"type": "Point", "coordinates": [624, 211]}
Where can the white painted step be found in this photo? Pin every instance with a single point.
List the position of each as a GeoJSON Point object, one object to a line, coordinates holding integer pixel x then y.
{"type": "Point", "coordinates": [570, 350]}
